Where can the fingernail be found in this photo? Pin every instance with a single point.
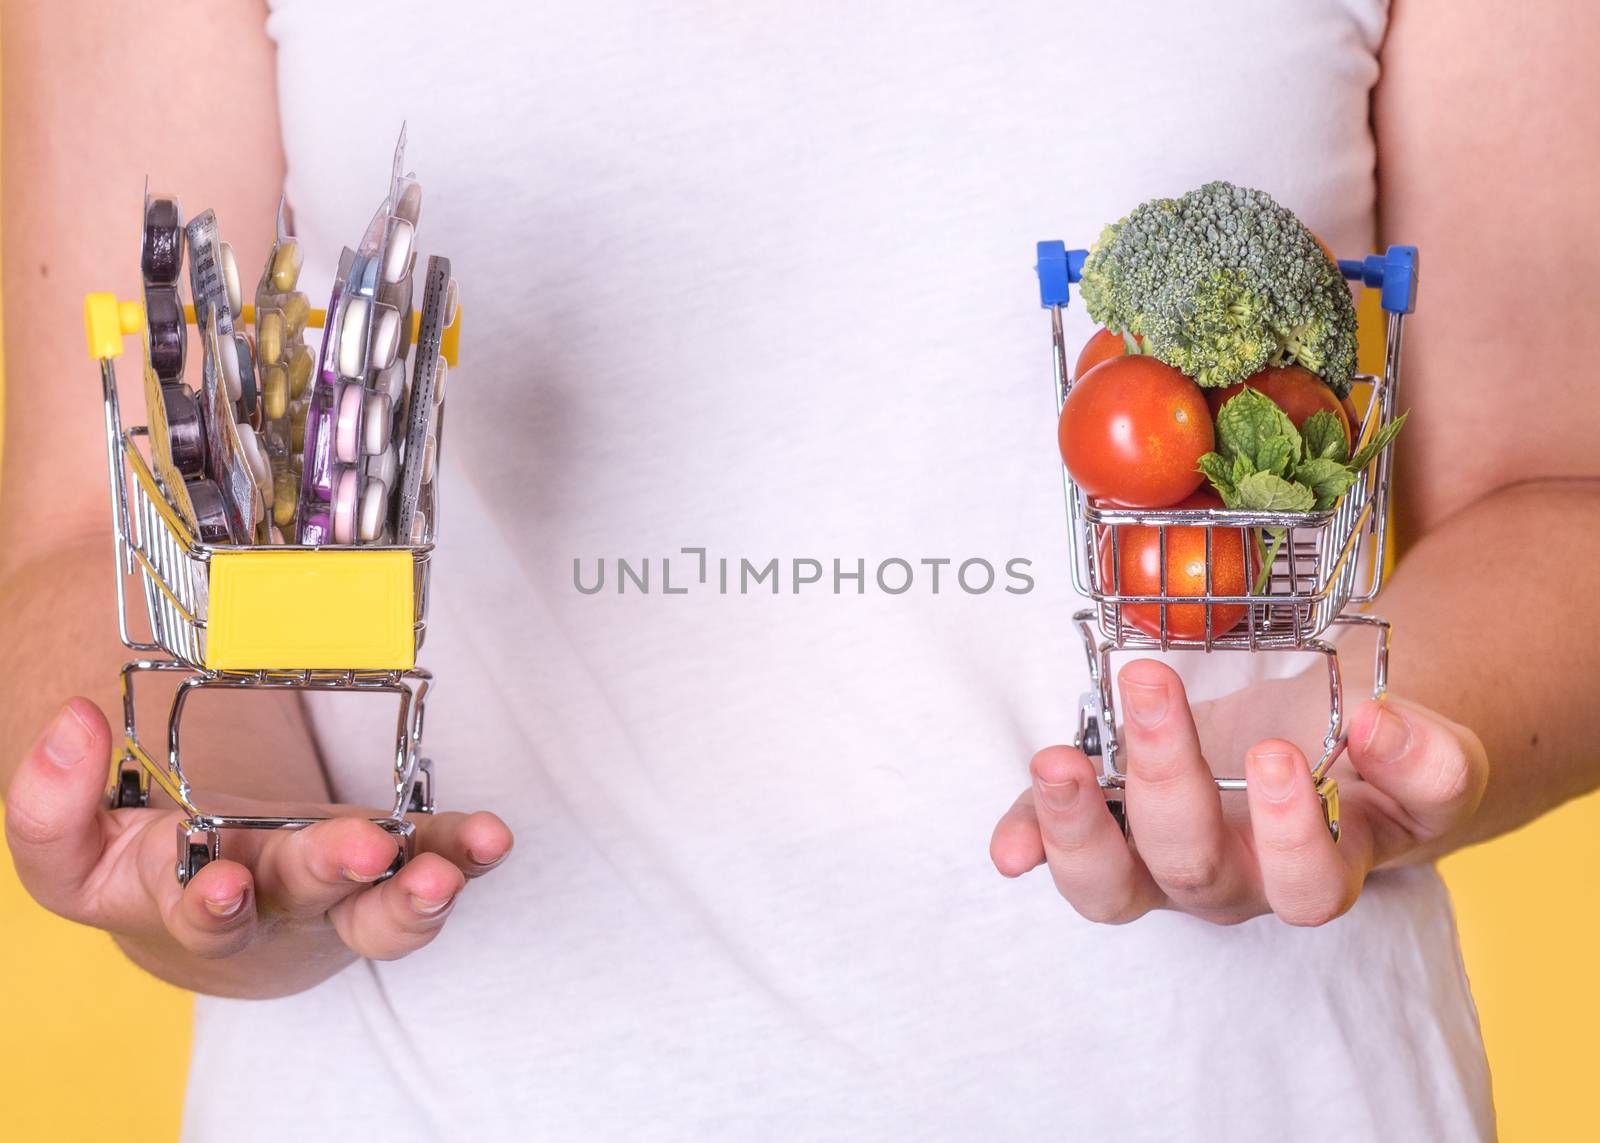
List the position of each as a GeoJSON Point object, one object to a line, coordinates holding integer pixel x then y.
{"type": "Point", "coordinates": [1275, 775]}
{"type": "Point", "coordinates": [227, 908]}
{"type": "Point", "coordinates": [1058, 796]}
{"type": "Point", "coordinates": [1146, 705]}
{"type": "Point", "coordinates": [429, 908]}
{"type": "Point", "coordinates": [67, 741]}
{"type": "Point", "coordinates": [482, 864]}
{"type": "Point", "coordinates": [1389, 738]}
{"type": "Point", "coordinates": [351, 875]}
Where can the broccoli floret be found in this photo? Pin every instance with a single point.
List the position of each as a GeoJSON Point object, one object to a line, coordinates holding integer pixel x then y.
{"type": "Point", "coordinates": [1222, 282]}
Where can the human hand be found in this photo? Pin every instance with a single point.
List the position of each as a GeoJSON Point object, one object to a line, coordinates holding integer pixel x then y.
{"type": "Point", "coordinates": [1409, 780]}
{"type": "Point", "coordinates": [284, 910]}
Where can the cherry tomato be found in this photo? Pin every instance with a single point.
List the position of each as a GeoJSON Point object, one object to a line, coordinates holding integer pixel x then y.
{"type": "Point", "coordinates": [1103, 346]}
{"type": "Point", "coordinates": [1298, 392]}
{"type": "Point", "coordinates": [1235, 563]}
{"type": "Point", "coordinates": [1133, 430]}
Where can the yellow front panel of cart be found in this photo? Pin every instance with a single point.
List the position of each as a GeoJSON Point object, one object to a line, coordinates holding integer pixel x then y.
{"type": "Point", "coordinates": [321, 610]}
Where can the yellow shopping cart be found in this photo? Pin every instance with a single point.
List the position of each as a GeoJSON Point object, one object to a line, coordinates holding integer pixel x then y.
{"type": "Point", "coordinates": [240, 617]}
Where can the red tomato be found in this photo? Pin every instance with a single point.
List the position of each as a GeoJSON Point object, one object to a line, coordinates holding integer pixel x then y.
{"type": "Point", "coordinates": [1352, 416]}
{"type": "Point", "coordinates": [1235, 563]}
{"type": "Point", "coordinates": [1298, 392]}
{"type": "Point", "coordinates": [1133, 430]}
{"type": "Point", "coordinates": [1103, 346]}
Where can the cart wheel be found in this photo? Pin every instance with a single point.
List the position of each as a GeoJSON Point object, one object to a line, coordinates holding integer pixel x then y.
{"type": "Point", "coordinates": [1089, 740]}
{"type": "Point", "coordinates": [406, 837]}
{"type": "Point", "coordinates": [196, 849]}
{"type": "Point", "coordinates": [199, 858]}
{"type": "Point", "coordinates": [394, 866]}
{"type": "Point", "coordinates": [422, 790]}
{"type": "Point", "coordinates": [1119, 810]}
{"type": "Point", "coordinates": [129, 791]}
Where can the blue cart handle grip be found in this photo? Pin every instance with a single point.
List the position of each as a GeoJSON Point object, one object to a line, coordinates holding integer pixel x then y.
{"type": "Point", "coordinates": [1058, 267]}
{"type": "Point", "coordinates": [1394, 273]}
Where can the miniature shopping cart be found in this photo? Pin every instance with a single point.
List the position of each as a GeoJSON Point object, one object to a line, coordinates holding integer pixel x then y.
{"type": "Point", "coordinates": [1328, 559]}
{"type": "Point", "coordinates": [347, 619]}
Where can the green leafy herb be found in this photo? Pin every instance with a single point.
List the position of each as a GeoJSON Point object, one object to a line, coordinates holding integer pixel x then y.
{"type": "Point", "coordinates": [1324, 437]}
{"type": "Point", "coordinates": [1328, 479]}
{"type": "Point", "coordinates": [1269, 492]}
{"type": "Point", "coordinates": [1221, 474]}
{"type": "Point", "coordinates": [1382, 437]}
{"type": "Point", "coordinates": [1262, 463]}
{"type": "Point", "coordinates": [1252, 427]}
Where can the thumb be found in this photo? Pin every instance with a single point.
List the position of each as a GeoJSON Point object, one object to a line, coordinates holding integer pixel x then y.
{"type": "Point", "coordinates": [1434, 769]}
{"type": "Point", "coordinates": [54, 814]}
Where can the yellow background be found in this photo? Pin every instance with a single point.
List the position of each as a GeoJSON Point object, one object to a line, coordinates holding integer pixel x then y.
{"type": "Point", "coordinates": [91, 1048]}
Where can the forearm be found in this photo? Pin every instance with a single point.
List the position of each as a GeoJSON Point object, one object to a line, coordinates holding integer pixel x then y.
{"type": "Point", "coordinates": [58, 638]}
{"type": "Point", "coordinates": [1492, 629]}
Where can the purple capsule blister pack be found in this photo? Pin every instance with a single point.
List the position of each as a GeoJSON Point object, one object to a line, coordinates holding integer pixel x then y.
{"type": "Point", "coordinates": [350, 462]}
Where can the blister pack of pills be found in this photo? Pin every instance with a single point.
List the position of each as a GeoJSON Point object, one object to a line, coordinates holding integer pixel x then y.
{"type": "Point", "coordinates": [417, 502]}
{"type": "Point", "coordinates": [229, 398]}
{"type": "Point", "coordinates": [351, 463]}
{"type": "Point", "coordinates": [178, 439]}
{"type": "Point", "coordinates": [285, 363]}
{"type": "Point", "coordinates": [280, 443]}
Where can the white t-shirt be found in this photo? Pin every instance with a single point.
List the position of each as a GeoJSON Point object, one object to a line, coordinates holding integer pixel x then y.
{"type": "Point", "coordinates": [757, 279]}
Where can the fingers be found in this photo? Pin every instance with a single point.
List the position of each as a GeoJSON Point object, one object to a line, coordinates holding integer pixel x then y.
{"type": "Point", "coordinates": [1435, 770]}
{"type": "Point", "coordinates": [329, 869]}
{"type": "Point", "coordinates": [1307, 879]}
{"type": "Point", "coordinates": [1174, 809]}
{"type": "Point", "coordinates": [54, 814]}
{"type": "Point", "coordinates": [214, 915]}
{"type": "Point", "coordinates": [1089, 859]}
{"type": "Point", "coordinates": [404, 913]}
{"type": "Point", "coordinates": [474, 843]}
{"type": "Point", "coordinates": [305, 873]}
{"type": "Point", "coordinates": [1016, 847]}
{"type": "Point", "coordinates": [71, 853]}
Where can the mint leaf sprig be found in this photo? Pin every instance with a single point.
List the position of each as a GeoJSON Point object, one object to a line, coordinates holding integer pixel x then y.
{"type": "Point", "coordinates": [1262, 463]}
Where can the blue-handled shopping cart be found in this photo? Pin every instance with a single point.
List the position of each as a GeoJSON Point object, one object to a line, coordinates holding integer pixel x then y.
{"type": "Point", "coordinates": [1328, 562]}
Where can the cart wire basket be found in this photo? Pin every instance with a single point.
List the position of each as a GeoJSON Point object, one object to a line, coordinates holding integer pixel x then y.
{"type": "Point", "coordinates": [1319, 569]}
{"type": "Point", "coordinates": [1327, 561]}
{"type": "Point", "coordinates": [287, 616]}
